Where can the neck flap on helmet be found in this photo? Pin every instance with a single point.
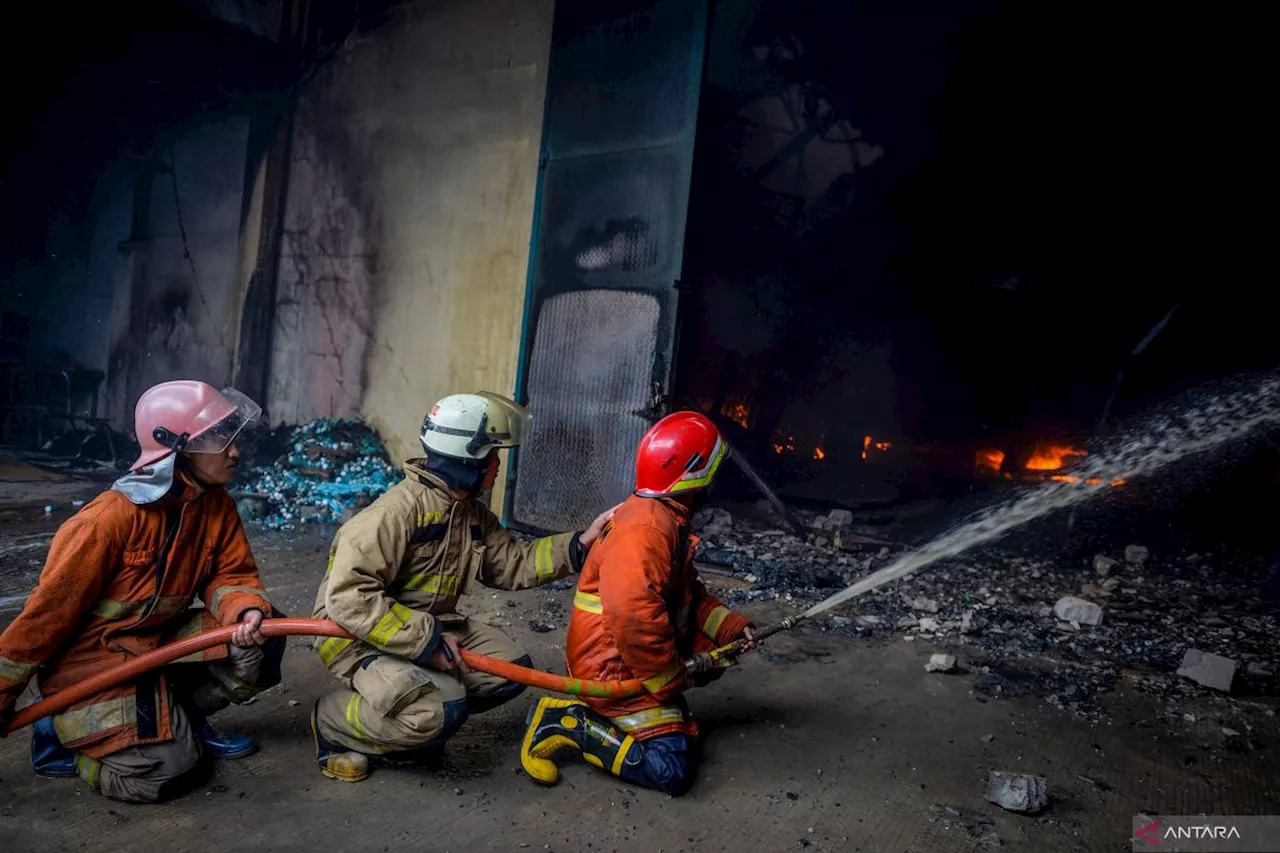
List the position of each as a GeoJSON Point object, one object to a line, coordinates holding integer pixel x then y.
{"type": "Point", "coordinates": [148, 485]}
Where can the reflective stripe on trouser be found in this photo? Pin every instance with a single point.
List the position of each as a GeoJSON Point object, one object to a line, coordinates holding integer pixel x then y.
{"type": "Point", "coordinates": [202, 686]}
{"type": "Point", "coordinates": [394, 705]}
{"type": "Point", "coordinates": [152, 772]}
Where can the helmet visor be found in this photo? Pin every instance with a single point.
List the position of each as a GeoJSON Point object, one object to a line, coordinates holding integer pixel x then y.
{"type": "Point", "coordinates": [218, 437]}
{"type": "Point", "coordinates": [519, 421]}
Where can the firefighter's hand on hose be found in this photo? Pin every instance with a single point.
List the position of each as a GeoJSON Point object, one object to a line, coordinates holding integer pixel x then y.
{"type": "Point", "coordinates": [593, 532]}
{"type": "Point", "coordinates": [448, 657]}
{"type": "Point", "coordinates": [748, 638]}
{"type": "Point", "coordinates": [249, 631]}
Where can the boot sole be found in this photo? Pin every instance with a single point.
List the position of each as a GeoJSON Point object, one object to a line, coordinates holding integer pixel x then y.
{"type": "Point", "coordinates": [351, 780]}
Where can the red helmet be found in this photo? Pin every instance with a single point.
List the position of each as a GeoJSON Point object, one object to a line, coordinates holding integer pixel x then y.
{"type": "Point", "coordinates": [186, 415]}
{"type": "Point", "coordinates": [679, 453]}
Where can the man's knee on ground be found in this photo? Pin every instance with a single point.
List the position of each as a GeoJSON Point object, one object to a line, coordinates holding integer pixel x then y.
{"type": "Point", "coordinates": [669, 765]}
{"type": "Point", "coordinates": [155, 773]}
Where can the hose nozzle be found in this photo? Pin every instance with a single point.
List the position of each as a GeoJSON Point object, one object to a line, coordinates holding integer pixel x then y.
{"type": "Point", "coordinates": [727, 656]}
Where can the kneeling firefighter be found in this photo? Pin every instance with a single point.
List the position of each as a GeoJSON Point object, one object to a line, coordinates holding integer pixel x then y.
{"type": "Point", "coordinates": [639, 612]}
{"type": "Point", "coordinates": [119, 581]}
{"type": "Point", "coordinates": [396, 572]}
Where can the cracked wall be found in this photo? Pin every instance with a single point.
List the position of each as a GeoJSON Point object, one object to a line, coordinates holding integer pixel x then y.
{"type": "Point", "coordinates": [408, 216]}
{"type": "Point", "coordinates": [176, 293]}
{"type": "Point", "coordinates": [144, 290]}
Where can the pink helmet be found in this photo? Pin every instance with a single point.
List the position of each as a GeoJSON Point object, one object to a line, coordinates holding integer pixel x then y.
{"type": "Point", "coordinates": [189, 416]}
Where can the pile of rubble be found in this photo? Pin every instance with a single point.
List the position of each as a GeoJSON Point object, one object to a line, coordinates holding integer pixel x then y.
{"type": "Point", "coordinates": [330, 469]}
{"type": "Point", "coordinates": [1027, 625]}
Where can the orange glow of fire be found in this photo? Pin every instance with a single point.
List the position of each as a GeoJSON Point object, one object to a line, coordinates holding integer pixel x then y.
{"type": "Point", "coordinates": [1053, 457]}
{"type": "Point", "coordinates": [819, 453]}
{"type": "Point", "coordinates": [869, 444]}
{"type": "Point", "coordinates": [783, 443]}
{"type": "Point", "coordinates": [991, 460]}
{"type": "Point", "coordinates": [738, 413]}
{"type": "Point", "coordinates": [1045, 458]}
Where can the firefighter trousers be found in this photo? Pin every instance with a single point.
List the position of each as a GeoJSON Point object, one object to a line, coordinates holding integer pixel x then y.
{"type": "Point", "coordinates": [155, 772]}
{"type": "Point", "coordinates": [393, 705]}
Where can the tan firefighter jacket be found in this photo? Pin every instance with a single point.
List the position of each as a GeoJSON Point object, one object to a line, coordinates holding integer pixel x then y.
{"type": "Point", "coordinates": [397, 569]}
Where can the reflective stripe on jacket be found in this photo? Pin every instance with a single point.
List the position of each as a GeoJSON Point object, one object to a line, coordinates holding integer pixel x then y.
{"type": "Point", "coordinates": [640, 610]}
{"type": "Point", "coordinates": [397, 570]}
{"type": "Point", "coordinates": [118, 582]}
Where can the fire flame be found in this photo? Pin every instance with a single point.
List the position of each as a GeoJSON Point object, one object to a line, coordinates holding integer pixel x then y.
{"type": "Point", "coordinates": [1053, 457]}
{"type": "Point", "coordinates": [869, 444]}
{"type": "Point", "coordinates": [819, 453]}
{"type": "Point", "coordinates": [1045, 458]}
{"type": "Point", "coordinates": [783, 443]}
{"type": "Point", "coordinates": [738, 413]}
{"type": "Point", "coordinates": [991, 460]}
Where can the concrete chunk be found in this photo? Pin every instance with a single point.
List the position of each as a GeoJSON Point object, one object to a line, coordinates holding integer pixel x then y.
{"type": "Point", "coordinates": [1017, 792]}
{"type": "Point", "coordinates": [839, 518]}
{"type": "Point", "coordinates": [1208, 669]}
{"type": "Point", "coordinates": [1136, 555]}
{"type": "Point", "coordinates": [940, 663]}
{"type": "Point", "coordinates": [1072, 609]}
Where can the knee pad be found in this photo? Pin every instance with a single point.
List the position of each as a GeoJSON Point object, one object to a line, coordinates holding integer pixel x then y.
{"type": "Point", "coordinates": [186, 782]}
{"type": "Point", "coordinates": [668, 765]}
{"type": "Point", "coordinates": [455, 714]}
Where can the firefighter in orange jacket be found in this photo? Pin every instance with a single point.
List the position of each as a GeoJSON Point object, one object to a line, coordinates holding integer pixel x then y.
{"type": "Point", "coordinates": [639, 612]}
{"type": "Point", "coordinates": [119, 582]}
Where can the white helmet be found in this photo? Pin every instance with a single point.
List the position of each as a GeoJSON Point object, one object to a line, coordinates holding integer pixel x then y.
{"type": "Point", "coordinates": [468, 426]}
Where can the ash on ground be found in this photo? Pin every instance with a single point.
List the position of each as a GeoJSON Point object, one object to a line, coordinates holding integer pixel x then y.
{"type": "Point", "coordinates": [323, 471]}
{"type": "Point", "coordinates": [994, 607]}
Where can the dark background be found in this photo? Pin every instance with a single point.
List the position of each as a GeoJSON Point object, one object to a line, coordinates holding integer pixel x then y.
{"type": "Point", "coordinates": [1056, 178]}
{"type": "Point", "coordinates": [1110, 160]}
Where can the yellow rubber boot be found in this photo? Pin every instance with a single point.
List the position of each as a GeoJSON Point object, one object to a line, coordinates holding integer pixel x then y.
{"type": "Point", "coordinates": [335, 762]}
{"type": "Point", "coordinates": [554, 724]}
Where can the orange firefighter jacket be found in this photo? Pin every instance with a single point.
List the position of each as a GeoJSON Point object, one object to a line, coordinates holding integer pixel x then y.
{"type": "Point", "coordinates": [118, 583]}
{"type": "Point", "coordinates": [639, 612]}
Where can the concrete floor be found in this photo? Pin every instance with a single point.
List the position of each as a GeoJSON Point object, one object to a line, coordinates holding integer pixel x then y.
{"type": "Point", "coordinates": [816, 743]}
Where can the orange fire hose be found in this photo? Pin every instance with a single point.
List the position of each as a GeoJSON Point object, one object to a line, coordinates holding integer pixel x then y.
{"type": "Point", "coordinates": [305, 627]}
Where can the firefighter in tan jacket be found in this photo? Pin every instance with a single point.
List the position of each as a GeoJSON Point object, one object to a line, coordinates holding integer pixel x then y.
{"type": "Point", "coordinates": [395, 574]}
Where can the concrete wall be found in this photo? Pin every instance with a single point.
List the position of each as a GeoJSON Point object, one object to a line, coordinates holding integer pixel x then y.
{"type": "Point", "coordinates": [176, 294]}
{"type": "Point", "coordinates": [161, 306]}
{"type": "Point", "coordinates": [408, 216]}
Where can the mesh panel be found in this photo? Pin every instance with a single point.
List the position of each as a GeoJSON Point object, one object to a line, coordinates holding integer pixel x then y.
{"type": "Point", "coordinates": [621, 78]}
{"type": "Point", "coordinates": [622, 94]}
{"type": "Point", "coordinates": [589, 374]}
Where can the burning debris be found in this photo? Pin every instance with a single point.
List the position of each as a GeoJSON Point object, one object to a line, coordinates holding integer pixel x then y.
{"type": "Point", "coordinates": [329, 469]}
{"type": "Point", "coordinates": [1046, 461]}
